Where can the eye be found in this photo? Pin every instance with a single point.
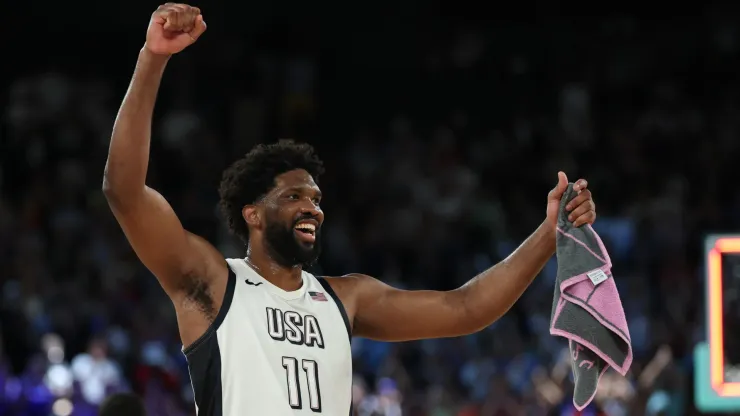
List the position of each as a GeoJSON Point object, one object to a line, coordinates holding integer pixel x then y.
{"type": "Point", "coordinates": [293, 196]}
{"type": "Point", "coordinates": [317, 201]}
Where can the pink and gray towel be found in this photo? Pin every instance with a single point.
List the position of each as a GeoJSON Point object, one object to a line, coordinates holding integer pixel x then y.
{"type": "Point", "coordinates": [586, 309]}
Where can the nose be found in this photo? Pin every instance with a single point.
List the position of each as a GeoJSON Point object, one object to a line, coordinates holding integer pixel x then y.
{"type": "Point", "coordinates": [309, 208]}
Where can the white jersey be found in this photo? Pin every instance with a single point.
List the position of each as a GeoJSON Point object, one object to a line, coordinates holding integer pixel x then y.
{"type": "Point", "coordinates": [272, 353]}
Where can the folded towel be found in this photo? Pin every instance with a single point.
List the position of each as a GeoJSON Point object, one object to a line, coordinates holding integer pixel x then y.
{"type": "Point", "coordinates": [586, 308]}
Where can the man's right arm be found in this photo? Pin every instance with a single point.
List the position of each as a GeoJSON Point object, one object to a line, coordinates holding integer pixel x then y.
{"type": "Point", "coordinates": [147, 219]}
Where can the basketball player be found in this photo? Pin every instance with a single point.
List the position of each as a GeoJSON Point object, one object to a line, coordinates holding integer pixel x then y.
{"type": "Point", "coordinates": [261, 335]}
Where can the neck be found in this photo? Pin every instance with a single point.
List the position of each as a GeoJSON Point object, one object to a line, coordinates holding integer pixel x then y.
{"type": "Point", "coordinates": [286, 278]}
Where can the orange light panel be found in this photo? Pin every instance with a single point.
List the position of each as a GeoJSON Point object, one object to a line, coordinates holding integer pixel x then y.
{"type": "Point", "coordinates": [716, 325]}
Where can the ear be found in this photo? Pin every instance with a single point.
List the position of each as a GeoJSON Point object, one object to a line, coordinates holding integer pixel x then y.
{"type": "Point", "coordinates": [251, 215]}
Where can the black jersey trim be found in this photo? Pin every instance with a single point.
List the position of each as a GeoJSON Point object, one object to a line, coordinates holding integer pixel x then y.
{"type": "Point", "coordinates": [225, 305]}
{"type": "Point", "coordinates": [325, 284]}
{"type": "Point", "coordinates": [205, 367]}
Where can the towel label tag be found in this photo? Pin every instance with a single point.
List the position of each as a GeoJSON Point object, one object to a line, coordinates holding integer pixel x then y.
{"type": "Point", "coordinates": [597, 276]}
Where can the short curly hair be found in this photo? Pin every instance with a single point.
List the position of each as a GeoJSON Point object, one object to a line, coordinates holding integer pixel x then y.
{"type": "Point", "coordinates": [253, 176]}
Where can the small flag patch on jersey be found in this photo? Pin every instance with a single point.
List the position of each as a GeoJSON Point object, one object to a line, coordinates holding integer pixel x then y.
{"type": "Point", "coordinates": [317, 296]}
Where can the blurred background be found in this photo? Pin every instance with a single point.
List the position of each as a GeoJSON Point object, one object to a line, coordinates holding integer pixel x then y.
{"type": "Point", "coordinates": [442, 128]}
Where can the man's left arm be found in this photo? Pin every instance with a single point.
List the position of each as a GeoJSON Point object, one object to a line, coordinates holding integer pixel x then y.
{"type": "Point", "coordinates": [389, 314]}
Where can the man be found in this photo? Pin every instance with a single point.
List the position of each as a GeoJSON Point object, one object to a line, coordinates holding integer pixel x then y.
{"type": "Point", "coordinates": [261, 335]}
{"type": "Point", "coordinates": [122, 404]}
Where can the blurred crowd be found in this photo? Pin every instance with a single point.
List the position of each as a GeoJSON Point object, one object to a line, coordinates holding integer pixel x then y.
{"type": "Point", "coordinates": [440, 150]}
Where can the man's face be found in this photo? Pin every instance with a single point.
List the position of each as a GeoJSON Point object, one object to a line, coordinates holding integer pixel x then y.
{"type": "Point", "coordinates": [293, 219]}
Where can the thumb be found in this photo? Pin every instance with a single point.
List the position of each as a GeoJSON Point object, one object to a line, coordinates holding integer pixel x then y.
{"type": "Point", "coordinates": [199, 28]}
{"type": "Point", "coordinates": [561, 187]}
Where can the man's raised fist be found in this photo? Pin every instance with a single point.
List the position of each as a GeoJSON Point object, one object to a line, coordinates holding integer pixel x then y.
{"type": "Point", "coordinates": [174, 27]}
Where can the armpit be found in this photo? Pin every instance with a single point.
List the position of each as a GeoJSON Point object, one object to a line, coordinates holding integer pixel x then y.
{"type": "Point", "coordinates": [198, 297]}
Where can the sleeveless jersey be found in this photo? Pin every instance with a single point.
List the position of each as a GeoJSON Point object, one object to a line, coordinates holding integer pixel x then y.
{"type": "Point", "coordinates": [273, 353]}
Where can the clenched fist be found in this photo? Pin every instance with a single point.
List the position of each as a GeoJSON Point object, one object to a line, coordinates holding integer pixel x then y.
{"type": "Point", "coordinates": [582, 208]}
{"type": "Point", "coordinates": [173, 28]}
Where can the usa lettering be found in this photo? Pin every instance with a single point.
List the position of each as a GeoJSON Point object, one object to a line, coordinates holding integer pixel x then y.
{"type": "Point", "coordinates": [295, 328]}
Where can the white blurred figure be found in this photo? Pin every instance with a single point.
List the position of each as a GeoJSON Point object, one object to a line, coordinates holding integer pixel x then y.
{"type": "Point", "coordinates": [58, 378]}
{"type": "Point", "coordinates": [390, 397]}
{"type": "Point", "coordinates": [62, 407]}
{"type": "Point", "coordinates": [359, 391]}
{"type": "Point", "coordinates": [95, 372]}
{"type": "Point", "coordinates": [387, 401]}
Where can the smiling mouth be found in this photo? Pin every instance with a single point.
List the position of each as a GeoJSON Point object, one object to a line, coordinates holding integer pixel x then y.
{"type": "Point", "coordinates": [306, 232]}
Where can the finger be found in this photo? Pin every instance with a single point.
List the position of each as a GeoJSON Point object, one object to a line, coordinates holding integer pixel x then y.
{"type": "Point", "coordinates": [562, 180]}
{"type": "Point", "coordinates": [180, 7]}
{"type": "Point", "coordinates": [198, 28]}
{"type": "Point", "coordinates": [587, 218]}
{"type": "Point", "coordinates": [189, 16]}
{"type": "Point", "coordinates": [580, 185]}
{"type": "Point", "coordinates": [578, 200]}
{"type": "Point", "coordinates": [178, 17]}
{"type": "Point", "coordinates": [581, 209]}
{"type": "Point", "coordinates": [171, 20]}
{"type": "Point", "coordinates": [561, 187]}
{"type": "Point", "coordinates": [160, 15]}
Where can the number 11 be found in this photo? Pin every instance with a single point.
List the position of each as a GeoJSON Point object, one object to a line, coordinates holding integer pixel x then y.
{"type": "Point", "coordinates": [311, 368]}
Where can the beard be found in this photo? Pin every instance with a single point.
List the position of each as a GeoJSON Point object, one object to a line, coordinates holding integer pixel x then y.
{"type": "Point", "coordinates": [286, 249]}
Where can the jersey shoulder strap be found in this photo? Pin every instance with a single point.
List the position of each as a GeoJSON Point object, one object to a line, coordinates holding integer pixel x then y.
{"type": "Point", "coordinates": [342, 311]}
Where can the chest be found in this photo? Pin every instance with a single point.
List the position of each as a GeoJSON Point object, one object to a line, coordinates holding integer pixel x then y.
{"type": "Point", "coordinates": [309, 326]}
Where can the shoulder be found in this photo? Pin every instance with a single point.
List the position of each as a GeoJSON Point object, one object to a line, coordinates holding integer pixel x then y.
{"type": "Point", "coordinates": [352, 289]}
{"type": "Point", "coordinates": [350, 282]}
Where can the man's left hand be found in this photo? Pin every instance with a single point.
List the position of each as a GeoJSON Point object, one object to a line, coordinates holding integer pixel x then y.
{"type": "Point", "coordinates": [581, 209]}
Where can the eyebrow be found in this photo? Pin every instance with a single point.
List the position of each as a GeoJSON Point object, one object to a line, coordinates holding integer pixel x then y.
{"type": "Point", "coordinates": [304, 189]}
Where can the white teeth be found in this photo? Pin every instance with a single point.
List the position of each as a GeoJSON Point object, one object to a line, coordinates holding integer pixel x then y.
{"type": "Point", "coordinates": [306, 226]}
